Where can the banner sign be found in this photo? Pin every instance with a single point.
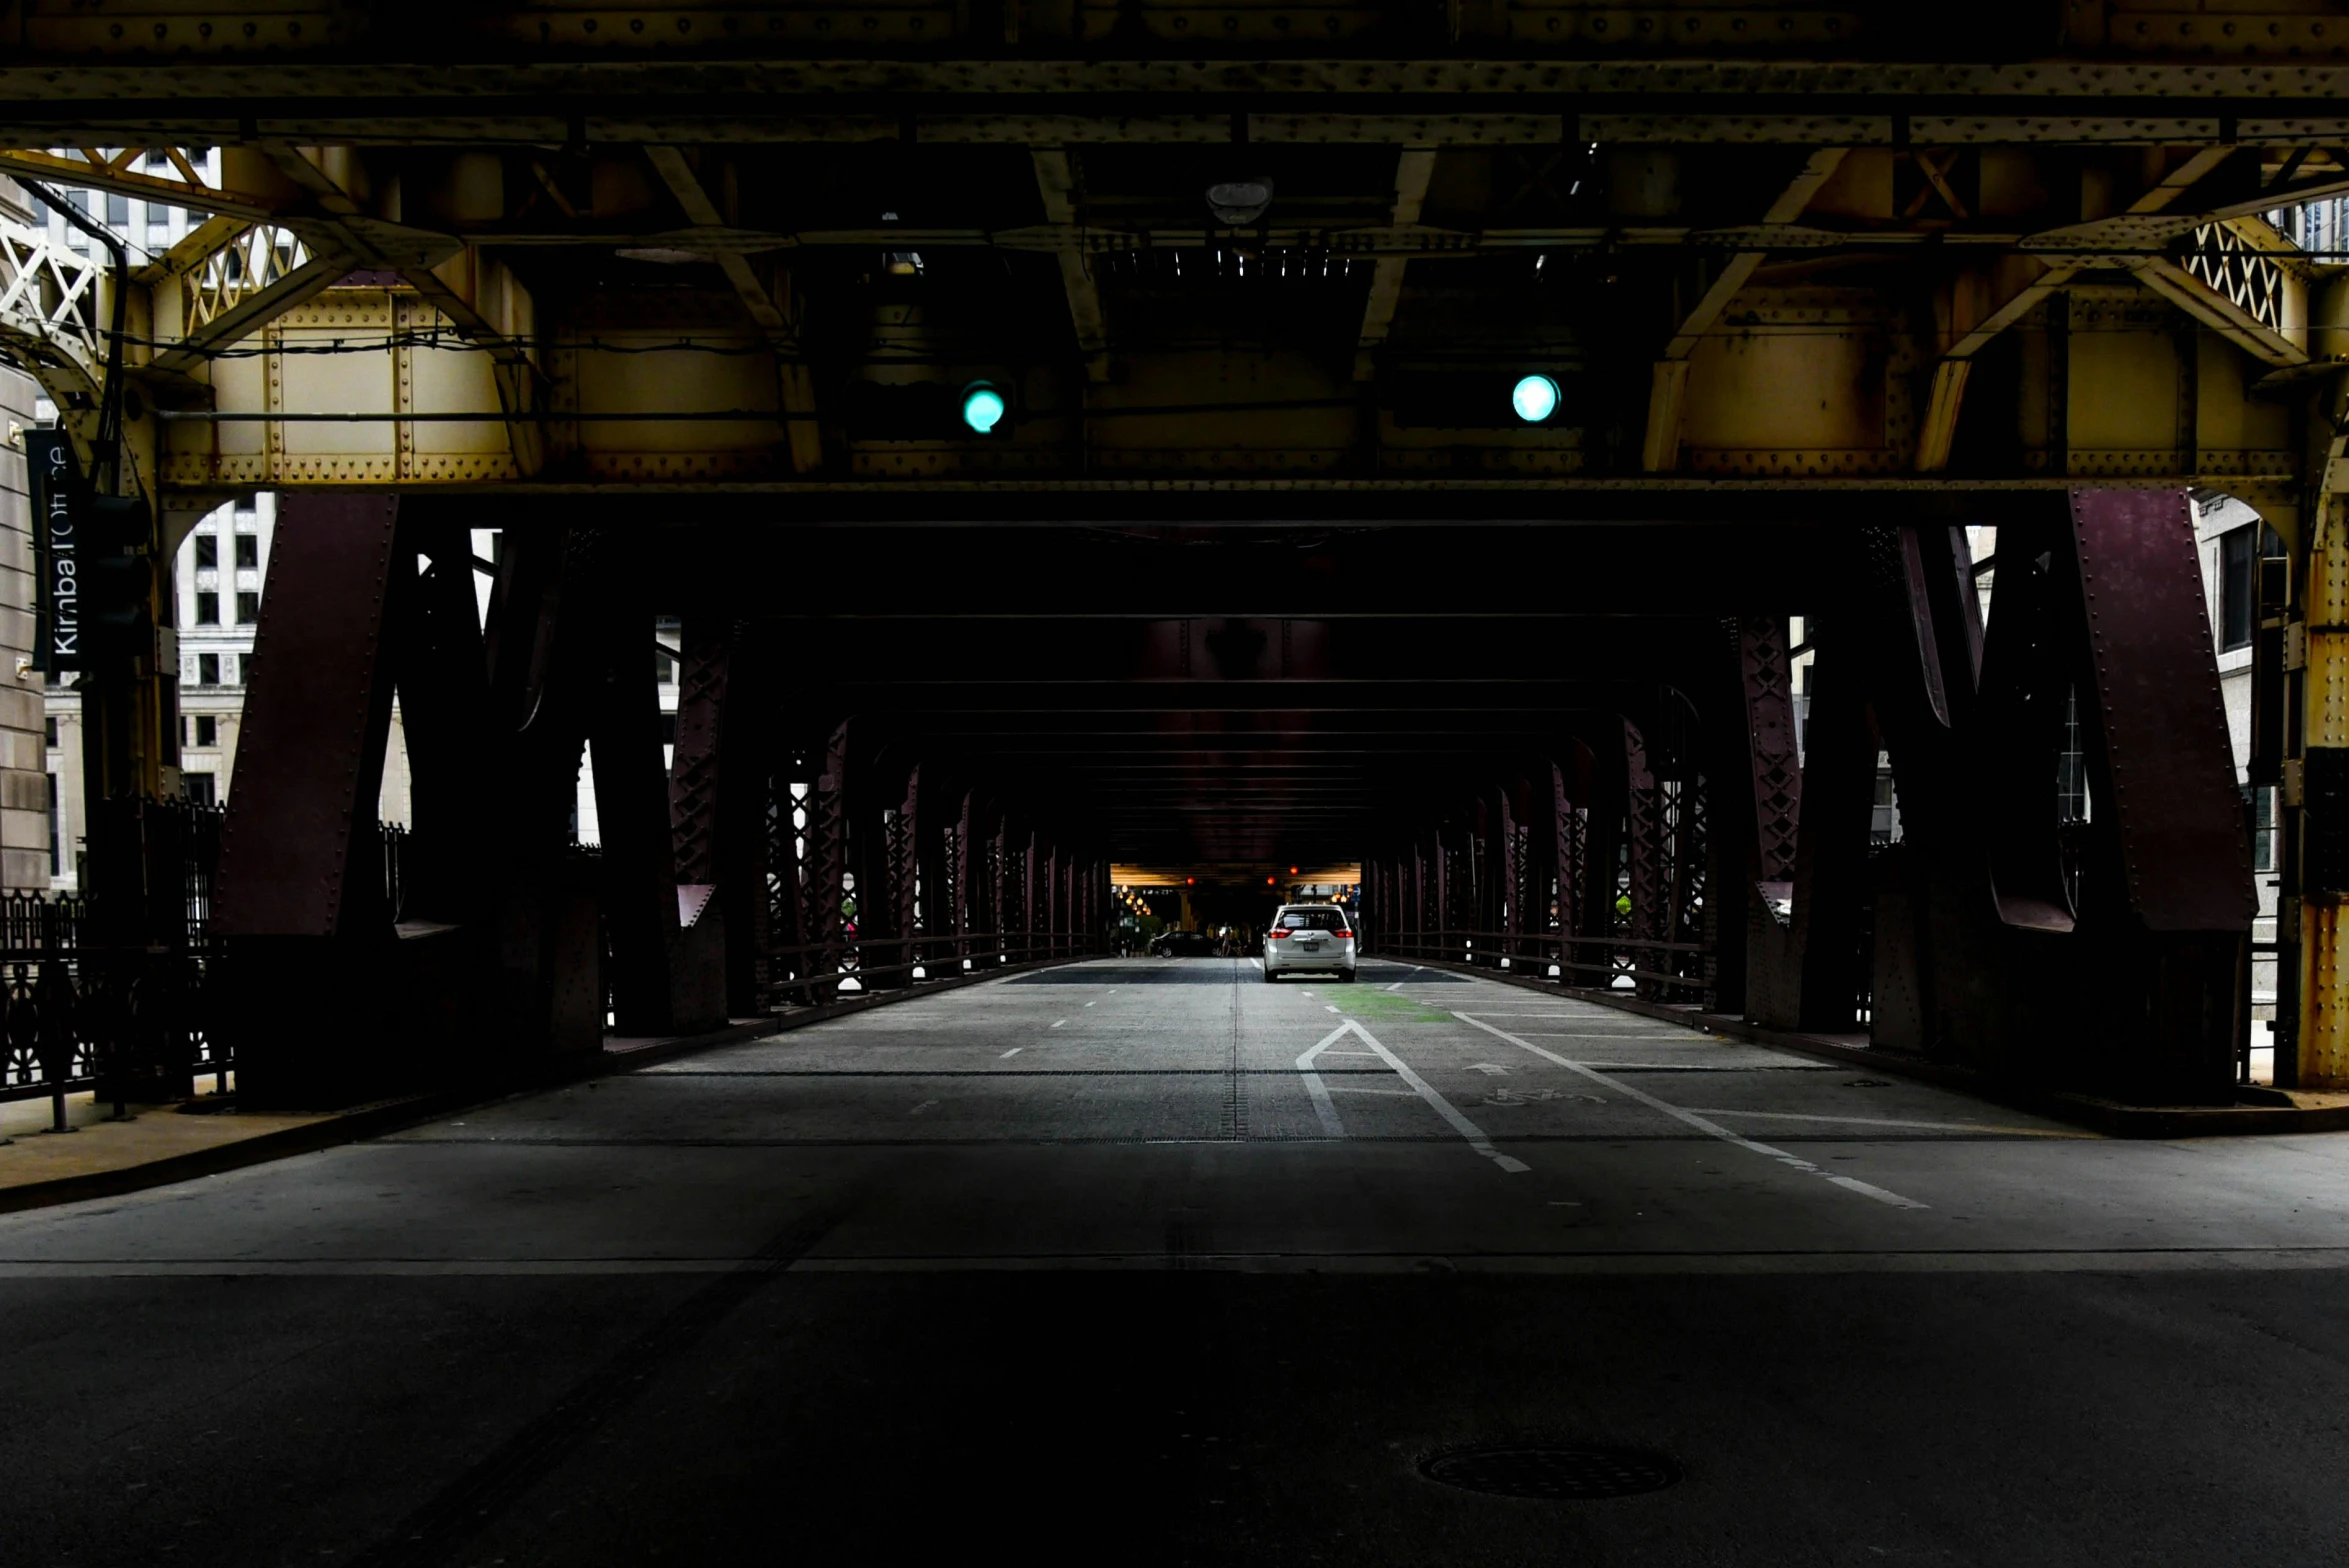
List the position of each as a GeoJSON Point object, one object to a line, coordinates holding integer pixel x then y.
{"type": "Point", "coordinates": [58, 510]}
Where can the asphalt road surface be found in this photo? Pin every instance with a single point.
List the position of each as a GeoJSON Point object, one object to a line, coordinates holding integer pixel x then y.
{"type": "Point", "coordinates": [1149, 1261]}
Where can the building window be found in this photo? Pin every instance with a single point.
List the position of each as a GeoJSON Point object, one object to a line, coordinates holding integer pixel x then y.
{"type": "Point", "coordinates": [207, 550]}
{"type": "Point", "coordinates": [117, 209]}
{"type": "Point", "coordinates": [2071, 767]}
{"type": "Point", "coordinates": [2236, 587]}
{"type": "Point", "coordinates": [207, 608]}
{"type": "Point", "coordinates": [2240, 552]}
{"type": "Point", "coordinates": [56, 844]}
{"type": "Point", "coordinates": [207, 669]}
{"type": "Point", "coordinates": [49, 727]}
{"type": "Point", "coordinates": [207, 730]}
{"type": "Point", "coordinates": [248, 606]}
{"type": "Point", "coordinates": [200, 789]}
{"type": "Point", "coordinates": [668, 729]}
{"type": "Point", "coordinates": [2263, 826]}
{"type": "Point", "coordinates": [664, 665]}
{"type": "Point", "coordinates": [249, 550]}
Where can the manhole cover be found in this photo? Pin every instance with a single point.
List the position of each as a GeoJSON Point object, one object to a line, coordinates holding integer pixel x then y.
{"type": "Point", "coordinates": [1556, 1472]}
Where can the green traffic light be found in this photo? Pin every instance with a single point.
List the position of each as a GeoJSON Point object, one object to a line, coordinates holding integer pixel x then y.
{"type": "Point", "coordinates": [982, 407]}
{"type": "Point", "coordinates": [1535, 398]}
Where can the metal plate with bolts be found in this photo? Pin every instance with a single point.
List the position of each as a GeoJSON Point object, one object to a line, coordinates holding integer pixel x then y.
{"type": "Point", "coordinates": [1552, 1472]}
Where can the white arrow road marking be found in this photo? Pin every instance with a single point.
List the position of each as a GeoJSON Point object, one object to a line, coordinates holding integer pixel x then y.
{"type": "Point", "coordinates": [1319, 1090]}
{"type": "Point", "coordinates": [1691, 1118]}
{"type": "Point", "coordinates": [1443, 1107]}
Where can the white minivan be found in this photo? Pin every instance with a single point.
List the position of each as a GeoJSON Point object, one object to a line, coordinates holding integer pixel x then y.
{"type": "Point", "coordinates": [1309, 937]}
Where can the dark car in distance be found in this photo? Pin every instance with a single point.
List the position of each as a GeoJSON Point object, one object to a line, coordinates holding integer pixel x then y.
{"type": "Point", "coordinates": [1184, 944]}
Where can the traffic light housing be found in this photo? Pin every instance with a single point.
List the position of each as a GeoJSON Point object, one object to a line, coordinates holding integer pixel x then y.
{"type": "Point", "coordinates": [117, 582]}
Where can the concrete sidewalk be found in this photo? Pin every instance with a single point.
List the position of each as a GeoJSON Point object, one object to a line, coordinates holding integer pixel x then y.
{"type": "Point", "coordinates": [161, 1144]}
{"type": "Point", "coordinates": [100, 1146]}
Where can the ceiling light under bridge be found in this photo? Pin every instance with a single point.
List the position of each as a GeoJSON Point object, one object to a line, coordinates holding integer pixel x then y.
{"type": "Point", "coordinates": [1240, 202]}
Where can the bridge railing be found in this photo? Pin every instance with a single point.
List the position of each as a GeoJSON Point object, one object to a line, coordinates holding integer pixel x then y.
{"type": "Point", "coordinates": [1650, 969]}
{"type": "Point", "coordinates": [128, 1022]}
{"type": "Point", "coordinates": [815, 972]}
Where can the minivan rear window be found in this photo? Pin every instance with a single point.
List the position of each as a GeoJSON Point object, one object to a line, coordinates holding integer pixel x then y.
{"type": "Point", "coordinates": [1314, 920]}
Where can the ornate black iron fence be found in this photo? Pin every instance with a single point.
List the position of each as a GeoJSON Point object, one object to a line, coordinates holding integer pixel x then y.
{"type": "Point", "coordinates": [128, 1021]}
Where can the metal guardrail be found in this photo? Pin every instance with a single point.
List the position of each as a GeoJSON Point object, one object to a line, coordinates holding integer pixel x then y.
{"type": "Point", "coordinates": [1652, 969]}
{"type": "Point", "coordinates": [805, 974]}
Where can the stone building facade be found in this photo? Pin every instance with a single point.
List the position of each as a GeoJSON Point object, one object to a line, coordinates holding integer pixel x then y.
{"type": "Point", "coordinates": [24, 782]}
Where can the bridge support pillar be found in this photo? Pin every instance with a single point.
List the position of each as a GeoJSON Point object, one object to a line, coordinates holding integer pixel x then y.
{"type": "Point", "coordinates": [1807, 857]}
{"type": "Point", "coordinates": [328, 991]}
{"type": "Point", "coordinates": [667, 934]}
{"type": "Point", "coordinates": [718, 798]}
{"type": "Point", "coordinates": [2111, 954]}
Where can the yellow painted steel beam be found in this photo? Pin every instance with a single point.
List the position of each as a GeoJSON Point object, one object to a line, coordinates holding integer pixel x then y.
{"type": "Point", "coordinates": [1667, 393]}
{"type": "Point", "coordinates": [1056, 183]}
{"type": "Point", "coordinates": [114, 175]}
{"type": "Point", "coordinates": [1414, 167]}
{"type": "Point", "coordinates": [767, 310]}
{"type": "Point", "coordinates": [2323, 915]}
{"type": "Point", "coordinates": [1938, 429]}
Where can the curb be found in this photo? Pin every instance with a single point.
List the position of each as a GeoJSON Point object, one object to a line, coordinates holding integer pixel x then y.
{"type": "Point", "coordinates": [2110, 1117]}
{"type": "Point", "coordinates": [373, 1120]}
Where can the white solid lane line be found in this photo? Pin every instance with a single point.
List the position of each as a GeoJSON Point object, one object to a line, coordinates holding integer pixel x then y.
{"type": "Point", "coordinates": [1062, 1021]}
{"type": "Point", "coordinates": [1319, 1090]}
{"type": "Point", "coordinates": [1886, 1121]}
{"type": "Point", "coordinates": [1443, 1107]}
{"type": "Point", "coordinates": [1692, 1119]}
{"type": "Point", "coordinates": [1415, 968]}
{"type": "Point", "coordinates": [1014, 1051]}
{"type": "Point", "coordinates": [1258, 962]}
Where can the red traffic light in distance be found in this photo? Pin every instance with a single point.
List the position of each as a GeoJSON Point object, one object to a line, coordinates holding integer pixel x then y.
{"type": "Point", "coordinates": [1188, 881]}
{"type": "Point", "coordinates": [1268, 881]}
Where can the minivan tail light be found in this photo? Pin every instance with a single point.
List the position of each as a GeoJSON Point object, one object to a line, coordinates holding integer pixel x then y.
{"type": "Point", "coordinates": [1276, 933]}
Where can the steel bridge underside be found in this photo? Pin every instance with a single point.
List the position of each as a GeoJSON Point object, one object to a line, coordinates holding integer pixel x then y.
{"type": "Point", "coordinates": [1260, 567]}
{"type": "Point", "coordinates": [906, 748]}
